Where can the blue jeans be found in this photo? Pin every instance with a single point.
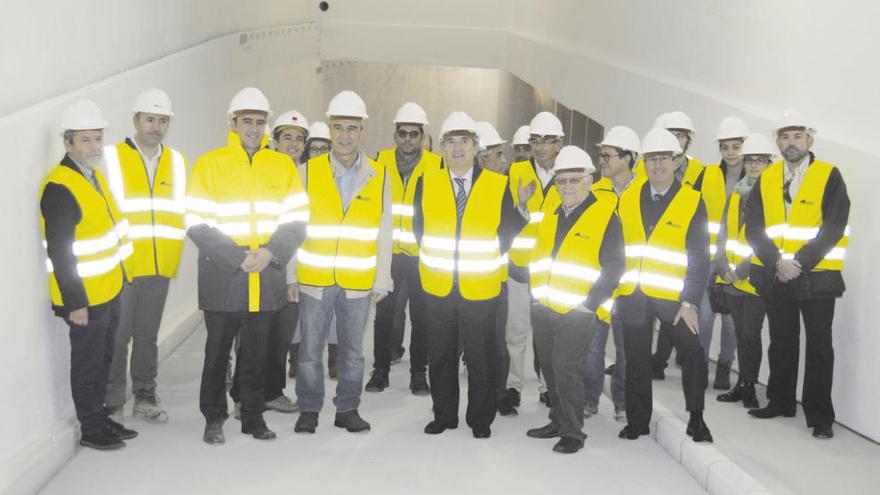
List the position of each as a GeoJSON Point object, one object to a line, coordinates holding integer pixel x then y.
{"type": "Point", "coordinates": [314, 322]}
{"type": "Point", "coordinates": [594, 380]}
{"type": "Point", "coordinates": [707, 327]}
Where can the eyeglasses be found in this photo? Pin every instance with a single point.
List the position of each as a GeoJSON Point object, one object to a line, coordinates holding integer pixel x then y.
{"type": "Point", "coordinates": [402, 134]}
{"type": "Point", "coordinates": [547, 141]}
{"type": "Point", "coordinates": [560, 181]}
{"type": "Point", "coordinates": [607, 157]}
{"type": "Point", "coordinates": [656, 160]}
{"type": "Point", "coordinates": [318, 150]}
{"type": "Point", "coordinates": [756, 160]}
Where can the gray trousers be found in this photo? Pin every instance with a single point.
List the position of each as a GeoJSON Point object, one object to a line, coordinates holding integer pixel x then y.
{"type": "Point", "coordinates": [563, 342]}
{"type": "Point", "coordinates": [143, 301]}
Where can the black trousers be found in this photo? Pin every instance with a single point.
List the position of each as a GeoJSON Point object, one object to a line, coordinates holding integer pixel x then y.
{"type": "Point", "coordinates": [502, 355]}
{"type": "Point", "coordinates": [453, 316]}
{"type": "Point", "coordinates": [91, 354]}
{"type": "Point", "coordinates": [637, 348]}
{"type": "Point", "coordinates": [278, 342]}
{"type": "Point", "coordinates": [784, 317]}
{"type": "Point", "coordinates": [390, 319]}
{"type": "Point", "coordinates": [748, 314]}
{"type": "Point", "coordinates": [563, 342]}
{"type": "Point", "coordinates": [250, 363]}
{"type": "Point", "coordinates": [664, 346]}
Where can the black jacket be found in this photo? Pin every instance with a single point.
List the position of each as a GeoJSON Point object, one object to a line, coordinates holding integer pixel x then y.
{"type": "Point", "coordinates": [810, 284]}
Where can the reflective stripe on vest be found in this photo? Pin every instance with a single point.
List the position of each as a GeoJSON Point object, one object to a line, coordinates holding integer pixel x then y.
{"type": "Point", "coordinates": [341, 247]}
{"type": "Point", "coordinates": [403, 241]}
{"type": "Point", "coordinates": [475, 258]}
{"type": "Point", "coordinates": [801, 224]}
{"type": "Point", "coordinates": [659, 263]}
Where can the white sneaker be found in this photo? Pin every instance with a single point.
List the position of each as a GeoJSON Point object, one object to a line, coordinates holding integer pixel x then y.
{"type": "Point", "coordinates": [236, 410]}
{"type": "Point", "coordinates": [282, 403]}
{"type": "Point", "coordinates": [590, 411]}
{"type": "Point", "coordinates": [148, 409]}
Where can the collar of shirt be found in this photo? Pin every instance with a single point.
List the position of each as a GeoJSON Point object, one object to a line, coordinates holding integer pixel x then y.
{"type": "Point", "coordinates": [568, 210]}
{"type": "Point", "coordinates": [544, 175]}
{"type": "Point", "coordinates": [661, 193]}
{"type": "Point", "coordinates": [152, 162]}
{"type": "Point", "coordinates": [468, 179]}
{"type": "Point", "coordinates": [798, 171]}
{"type": "Point", "coordinates": [620, 191]}
{"type": "Point", "coordinates": [339, 169]}
{"type": "Point", "coordinates": [88, 172]}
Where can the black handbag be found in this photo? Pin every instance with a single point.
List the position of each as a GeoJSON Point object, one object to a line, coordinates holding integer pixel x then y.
{"type": "Point", "coordinates": [718, 299]}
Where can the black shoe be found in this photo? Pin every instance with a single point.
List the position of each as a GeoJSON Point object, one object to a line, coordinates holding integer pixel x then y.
{"type": "Point", "coordinates": [823, 432]}
{"type": "Point", "coordinates": [733, 395]}
{"type": "Point", "coordinates": [657, 371]}
{"type": "Point", "coordinates": [418, 383]}
{"type": "Point", "coordinates": [722, 376]}
{"type": "Point", "coordinates": [101, 441]}
{"type": "Point", "coordinates": [514, 396]}
{"type": "Point", "coordinates": [546, 431]}
{"type": "Point", "coordinates": [436, 427]}
{"type": "Point", "coordinates": [351, 421]}
{"type": "Point", "coordinates": [506, 407]}
{"type": "Point", "coordinates": [772, 411]}
{"type": "Point", "coordinates": [631, 433]}
{"type": "Point", "coordinates": [568, 445]}
{"type": "Point", "coordinates": [307, 422]}
{"type": "Point", "coordinates": [482, 431]}
{"type": "Point", "coordinates": [378, 381]}
{"type": "Point", "coordinates": [749, 397]}
{"type": "Point", "coordinates": [258, 430]}
{"type": "Point", "coordinates": [117, 430]}
{"type": "Point", "coordinates": [610, 369]}
{"type": "Point", "coordinates": [544, 398]}
{"type": "Point", "coordinates": [699, 431]}
{"type": "Point", "coordinates": [331, 360]}
{"type": "Point", "coordinates": [214, 433]}
{"type": "Point", "coordinates": [293, 359]}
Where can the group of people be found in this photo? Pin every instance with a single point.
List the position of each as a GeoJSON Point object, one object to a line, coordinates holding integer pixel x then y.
{"type": "Point", "coordinates": [300, 232]}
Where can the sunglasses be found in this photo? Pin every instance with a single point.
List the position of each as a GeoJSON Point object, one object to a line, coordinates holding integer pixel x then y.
{"type": "Point", "coordinates": [402, 134]}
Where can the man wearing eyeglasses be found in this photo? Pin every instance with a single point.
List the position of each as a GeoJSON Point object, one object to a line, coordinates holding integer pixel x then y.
{"type": "Point", "coordinates": [576, 266]}
{"type": "Point", "coordinates": [667, 268]}
{"type": "Point", "coordinates": [403, 163]}
{"type": "Point", "coordinates": [464, 222]}
{"type": "Point", "coordinates": [797, 227]}
{"type": "Point", "coordinates": [545, 140]}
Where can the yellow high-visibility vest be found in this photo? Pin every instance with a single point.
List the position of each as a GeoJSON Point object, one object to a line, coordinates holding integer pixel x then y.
{"type": "Point", "coordinates": [246, 198]}
{"type": "Point", "coordinates": [402, 197]}
{"type": "Point", "coordinates": [341, 246]}
{"type": "Point", "coordinates": [100, 245]}
{"type": "Point", "coordinates": [563, 282]}
{"type": "Point", "coordinates": [657, 264]}
{"type": "Point", "coordinates": [737, 247]}
{"type": "Point", "coordinates": [715, 196]}
{"type": "Point", "coordinates": [474, 257]}
{"type": "Point", "coordinates": [154, 211]}
{"type": "Point", "coordinates": [523, 173]}
{"type": "Point", "coordinates": [805, 218]}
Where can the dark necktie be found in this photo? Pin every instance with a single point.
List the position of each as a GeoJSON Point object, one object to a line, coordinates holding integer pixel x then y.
{"type": "Point", "coordinates": [460, 196]}
{"type": "Point", "coordinates": [786, 195]}
{"type": "Point", "coordinates": [657, 198]}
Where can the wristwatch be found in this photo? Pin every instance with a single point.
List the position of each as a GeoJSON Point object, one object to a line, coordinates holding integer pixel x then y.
{"type": "Point", "coordinates": [686, 304]}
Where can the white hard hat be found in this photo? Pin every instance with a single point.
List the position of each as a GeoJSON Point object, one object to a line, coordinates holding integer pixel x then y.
{"type": "Point", "coordinates": [546, 124]}
{"type": "Point", "coordinates": [678, 120]}
{"type": "Point", "coordinates": [793, 117]}
{"type": "Point", "coordinates": [82, 115]}
{"type": "Point", "coordinates": [347, 104]}
{"type": "Point", "coordinates": [319, 130]}
{"type": "Point", "coordinates": [659, 141]}
{"type": "Point", "coordinates": [758, 144]}
{"type": "Point", "coordinates": [660, 121]}
{"type": "Point", "coordinates": [521, 136]}
{"type": "Point", "coordinates": [572, 157]}
{"type": "Point", "coordinates": [488, 135]}
{"type": "Point", "coordinates": [457, 121]}
{"type": "Point", "coordinates": [411, 113]}
{"type": "Point", "coordinates": [249, 99]}
{"type": "Point", "coordinates": [733, 128]}
{"type": "Point", "coordinates": [622, 137]}
{"type": "Point", "coordinates": [153, 101]}
{"type": "Point", "coordinates": [291, 118]}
